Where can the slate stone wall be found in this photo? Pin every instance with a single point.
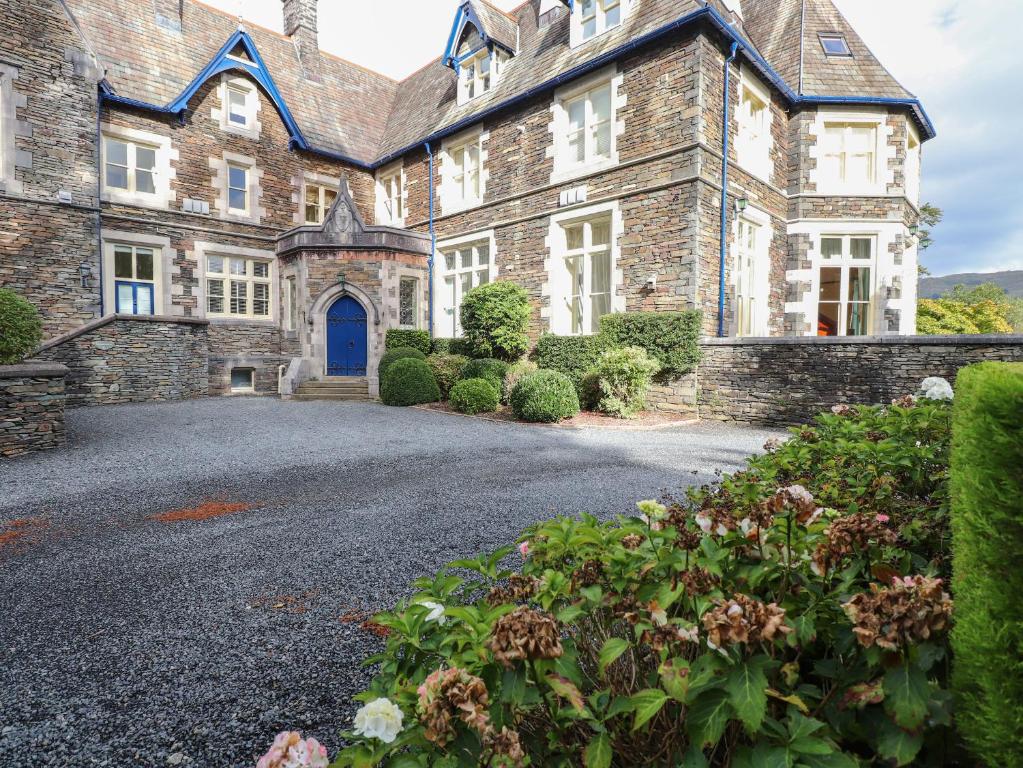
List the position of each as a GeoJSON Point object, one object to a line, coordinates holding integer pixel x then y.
{"type": "Point", "coordinates": [129, 359]}
{"type": "Point", "coordinates": [31, 408]}
{"type": "Point", "coordinates": [787, 381]}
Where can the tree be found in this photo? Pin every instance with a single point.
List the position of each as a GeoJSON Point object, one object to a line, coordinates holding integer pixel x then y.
{"type": "Point", "coordinates": [930, 217]}
{"type": "Point", "coordinates": [984, 308]}
{"type": "Point", "coordinates": [495, 317]}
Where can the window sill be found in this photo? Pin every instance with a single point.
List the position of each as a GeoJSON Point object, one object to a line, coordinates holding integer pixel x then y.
{"type": "Point", "coordinates": [560, 175]}
{"type": "Point", "coordinates": [458, 207]}
{"type": "Point", "coordinates": [225, 320]}
{"type": "Point", "coordinates": [245, 133]}
{"type": "Point", "coordinates": [156, 201]}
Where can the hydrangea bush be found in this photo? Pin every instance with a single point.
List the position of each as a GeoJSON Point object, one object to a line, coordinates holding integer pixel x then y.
{"type": "Point", "coordinates": [792, 614]}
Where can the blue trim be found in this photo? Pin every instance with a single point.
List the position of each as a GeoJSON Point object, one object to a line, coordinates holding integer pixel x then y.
{"type": "Point", "coordinates": [466, 14]}
{"type": "Point", "coordinates": [725, 128]}
{"type": "Point", "coordinates": [433, 243]}
{"type": "Point", "coordinates": [134, 296]}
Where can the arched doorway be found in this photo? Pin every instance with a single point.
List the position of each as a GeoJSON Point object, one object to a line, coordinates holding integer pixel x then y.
{"type": "Point", "coordinates": [346, 338]}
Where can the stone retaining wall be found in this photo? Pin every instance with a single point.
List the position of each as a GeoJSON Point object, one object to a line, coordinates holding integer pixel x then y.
{"type": "Point", "coordinates": [786, 381]}
{"type": "Point", "coordinates": [133, 358]}
{"type": "Point", "coordinates": [31, 408]}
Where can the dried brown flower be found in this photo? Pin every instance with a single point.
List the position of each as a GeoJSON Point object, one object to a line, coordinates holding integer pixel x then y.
{"type": "Point", "coordinates": [591, 572]}
{"type": "Point", "coordinates": [843, 410]}
{"type": "Point", "coordinates": [633, 541]}
{"type": "Point", "coordinates": [744, 620]}
{"type": "Point", "coordinates": [503, 749]}
{"type": "Point", "coordinates": [525, 634]}
{"type": "Point", "coordinates": [909, 611]}
{"type": "Point", "coordinates": [906, 401]}
{"type": "Point", "coordinates": [773, 444]}
{"type": "Point", "coordinates": [849, 534]}
{"type": "Point", "coordinates": [797, 499]}
{"type": "Point", "coordinates": [699, 581]}
{"type": "Point", "coordinates": [678, 518]}
{"type": "Point", "coordinates": [448, 694]}
{"type": "Point", "coordinates": [518, 590]}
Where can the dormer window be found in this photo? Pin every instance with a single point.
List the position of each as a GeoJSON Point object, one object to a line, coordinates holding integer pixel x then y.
{"type": "Point", "coordinates": [481, 43]}
{"type": "Point", "coordinates": [478, 73]}
{"type": "Point", "coordinates": [835, 44]}
{"type": "Point", "coordinates": [238, 111]}
{"type": "Point", "coordinates": [238, 106]}
{"type": "Point", "coordinates": [591, 18]}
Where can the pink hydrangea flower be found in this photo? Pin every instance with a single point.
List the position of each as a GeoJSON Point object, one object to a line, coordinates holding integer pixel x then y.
{"type": "Point", "coordinates": [882, 518]}
{"type": "Point", "coordinates": [290, 750]}
{"type": "Point", "coordinates": [524, 549]}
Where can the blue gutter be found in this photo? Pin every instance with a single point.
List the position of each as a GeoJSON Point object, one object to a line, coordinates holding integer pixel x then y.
{"type": "Point", "coordinates": [433, 244]}
{"type": "Point", "coordinates": [725, 127]}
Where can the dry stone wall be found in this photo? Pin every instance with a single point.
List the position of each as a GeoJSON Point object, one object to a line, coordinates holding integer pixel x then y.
{"type": "Point", "coordinates": [31, 408]}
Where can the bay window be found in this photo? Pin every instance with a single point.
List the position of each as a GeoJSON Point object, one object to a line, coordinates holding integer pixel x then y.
{"type": "Point", "coordinates": [463, 267]}
{"type": "Point", "coordinates": [845, 295]}
{"type": "Point", "coordinates": [849, 155]}
{"type": "Point", "coordinates": [237, 287]}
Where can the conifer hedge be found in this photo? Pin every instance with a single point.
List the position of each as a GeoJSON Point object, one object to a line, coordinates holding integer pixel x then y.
{"type": "Point", "coordinates": [987, 534]}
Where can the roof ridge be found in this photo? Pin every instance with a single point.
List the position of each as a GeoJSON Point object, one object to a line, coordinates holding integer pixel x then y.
{"type": "Point", "coordinates": [500, 11]}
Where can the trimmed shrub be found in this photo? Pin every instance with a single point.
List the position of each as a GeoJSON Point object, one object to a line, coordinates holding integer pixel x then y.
{"type": "Point", "coordinates": [589, 391]}
{"type": "Point", "coordinates": [486, 368]}
{"type": "Point", "coordinates": [474, 396]}
{"type": "Point", "coordinates": [622, 378]}
{"type": "Point", "coordinates": [570, 355]}
{"type": "Point", "coordinates": [516, 372]}
{"type": "Point", "coordinates": [447, 369]}
{"type": "Point", "coordinates": [409, 381]}
{"type": "Point", "coordinates": [494, 320]}
{"type": "Point", "coordinates": [987, 530]}
{"type": "Point", "coordinates": [671, 338]}
{"type": "Point", "coordinates": [450, 347]}
{"type": "Point", "coordinates": [407, 337]}
{"type": "Point", "coordinates": [21, 330]}
{"type": "Point", "coordinates": [545, 396]}
{"type": "Point", "coordinates": [392, 356]}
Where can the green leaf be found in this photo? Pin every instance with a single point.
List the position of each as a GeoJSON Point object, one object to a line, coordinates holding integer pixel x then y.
{"type": "Point", "coordinates": [569, 613]}
{"type": "Point", "coordinates": [899, 745]}
{"type": "Point", "coordinates": [613, 648]}
{"type": "Point", "coordinates": [747, 692]}
{"type": "Point", "coordinates": [675, 678]}
{"type": "Point", "coordinates": [763, 756]}
{"type": "Point", "coordinates": [834, 760]}
{"type": "Point", "coordinates": [619, 706]}
{"type": "Point", "coordinates": [647, 704]}
{"type": "Point", "coordinates": [906, 694]}
{"type": "Point", "coordinates": [593, 594]}
{"type": "Point", "coordinates": [708, 716]}
{"type": "Point", "coordinates": [694, 758]}
{"type": "Point", "coordinates": [513, 686]}
{"type": "Point", "coordinates": [566, 690]}
{"type": "Point", "coordinates": [598, 752]}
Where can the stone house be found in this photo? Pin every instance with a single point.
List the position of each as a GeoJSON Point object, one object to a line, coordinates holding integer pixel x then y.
{"type": "Point", "coordinates": [749, 159]}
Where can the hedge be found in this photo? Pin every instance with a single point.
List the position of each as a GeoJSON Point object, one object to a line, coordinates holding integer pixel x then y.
{"type": "Point", "coordinates": [407, 337]}
{"type": "Point", "coordinates": [570, 355]}
{"type": "Point", "coordinates": [21, 330]}
{"type": "Point", "coordinates": [987, 538]}
{"type": "Point", "coordinates": [494, 320]}
{"type": "Point", "coordinates": [671, 338]}
{"type": "Point", "coordinates": [450, 347]}
{"type": "Point", "coordinates": [409, 381]}
{"type": "Point", "coordinates": [447, 369]}
{"type": "Point", "coordinates": [392, 356]}
{"type": "Point", "coordinates": [474, 396]}
{"type": "Point", "coordinates": [545, 396]}
{"type": "Point", "coordinates": [487, 368]}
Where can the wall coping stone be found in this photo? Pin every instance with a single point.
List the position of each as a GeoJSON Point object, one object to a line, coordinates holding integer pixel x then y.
{"type": "Point", "coordinates": [100, 322]}
{"type": "Point", "coordinates": [918, 341]}
{"type": "Point", "coordinates": [33, 370]}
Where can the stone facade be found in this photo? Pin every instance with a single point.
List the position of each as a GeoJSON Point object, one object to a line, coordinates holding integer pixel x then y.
{"type": "Point", "coordinates": [130, 359]}
{"type": "Point", "coordinates": [787, 381]}
{"type": "Point", "coordinates": [31, 408]}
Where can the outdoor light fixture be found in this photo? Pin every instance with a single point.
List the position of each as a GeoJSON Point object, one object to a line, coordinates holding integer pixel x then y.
{"type": "Point", "coordinates": [85, 271]}
{"type": "Point", "coordinates": [914, 229]}
{"type": "Point", "coordinates": [740, 204]}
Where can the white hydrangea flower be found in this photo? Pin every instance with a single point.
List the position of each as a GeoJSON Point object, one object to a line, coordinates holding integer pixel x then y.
{"type": "Point", "coordinates": [704, 522]}
{"type": "Point", "coordinates": [936, 388]}
{"type": "Point", "coordinates": [436, 612]}
{"type": "Point", "coordinates": [380, 719]}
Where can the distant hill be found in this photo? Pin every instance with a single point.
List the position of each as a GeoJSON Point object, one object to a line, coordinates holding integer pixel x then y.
{"type": "Point", "coordinates": [932, 287]}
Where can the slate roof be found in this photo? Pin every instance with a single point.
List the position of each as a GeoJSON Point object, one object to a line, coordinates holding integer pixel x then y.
{"type": "Point", "coordinates": [369, 117]}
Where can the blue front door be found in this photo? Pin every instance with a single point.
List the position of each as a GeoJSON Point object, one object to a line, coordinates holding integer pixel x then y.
{"type": "Point", "coordinates": [346, 338]}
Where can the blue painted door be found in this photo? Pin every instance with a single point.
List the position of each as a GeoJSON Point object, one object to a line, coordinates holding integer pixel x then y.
{"type": "Point", "coordinates": [346, 338]}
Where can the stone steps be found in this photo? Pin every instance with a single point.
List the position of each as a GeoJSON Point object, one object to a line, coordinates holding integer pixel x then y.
{"type": "Point", "coordinates": [334, 388]}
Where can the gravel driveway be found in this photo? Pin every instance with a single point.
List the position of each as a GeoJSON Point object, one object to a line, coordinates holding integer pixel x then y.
{"type": "Point", "coordinates": [127, 641]}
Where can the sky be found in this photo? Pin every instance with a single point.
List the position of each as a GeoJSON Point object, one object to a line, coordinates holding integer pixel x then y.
{"type": "Point", "coordinates": [955, 55]}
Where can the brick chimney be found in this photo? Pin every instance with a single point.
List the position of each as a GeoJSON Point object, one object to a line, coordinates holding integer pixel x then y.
{"type": "Point", "coordinates": [300, 26]}
{"type": "Point", "coordinates": [169, 13]}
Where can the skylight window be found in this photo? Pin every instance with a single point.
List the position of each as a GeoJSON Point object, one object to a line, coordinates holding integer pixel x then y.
{"type": "Point", "coordinates": [835, 45]}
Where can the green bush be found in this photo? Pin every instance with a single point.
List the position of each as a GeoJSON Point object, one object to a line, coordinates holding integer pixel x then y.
{"type": "Point", "coordinates": [754, 623]}
{"type": "Point", "coordinates": [987, 526]}
{"type": "Point", "coordinates": [516, 372]}
{"type": "Point", "coordinates": [450, 347]}
{"type": "Point", "coordinates": [494, 320]}
{"type": "Point", "coordinates": [474, 396]}
{"type": "Point", "coordinates": [447, 369]}
{"type": "Point", "coordinates": [407, 337]}
{"type": "Point", "coordinates": [545, 396]}
{"type": "Point", "coordinates": [486, 368]}
{"type": "Point", "coordinates": [409, 381]}
{"type": "Point", "coordinates": [622, 378]}
{"type": "Point", "coordinates": [392, 356]}
{"type": "Point", "coordinates": [21, 330]}
{"type": "Point", "coordinates": [671, 338]}
{"type": "Point", "coordinates": [589, 391]}
{"type": "Point", "coordinates": [570, 355]}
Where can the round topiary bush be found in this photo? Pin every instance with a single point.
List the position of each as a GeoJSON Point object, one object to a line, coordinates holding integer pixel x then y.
{"type": "Point", "coordinates": [474, 396]}
{"type": "Point", "coordinates": [486, 368]}
{"type": "Point", "coordinates": [545, 396]}
{"type": "Point", "coordinates": [494, 320]}
{"type": "Point", "coordinates": [516, 373]}
{"type": "Point", "coordinates": [409, 381]}
{"type": "Point", "coordinates": [448, 370]}
{"type": "Point", "coordinates": [392, 356]}
{"type": "Point", "coordinates": [21, 330]}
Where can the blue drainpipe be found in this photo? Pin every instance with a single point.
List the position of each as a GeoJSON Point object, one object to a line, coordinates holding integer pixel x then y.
{"type": "Point", "coordinates": [724, 189]}
{"type": "Point", "coordinates": [433, 243]}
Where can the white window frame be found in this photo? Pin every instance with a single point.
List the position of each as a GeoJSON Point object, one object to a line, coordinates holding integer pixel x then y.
{"type": "Point", "coordinates": [10, 100]}
{"type": "Point", "coordinates": [756, 284]}
{"type": "Point", "coordinates": [476, 82]}
{"type": "Point", "coordinates": [222, 113]}
{"type": "Point", "coordinates": [601, 9]}
{"type": "Point", "coordinates": [205, 250]}
{"type": "Point", "coordinates": [754, 140]}
{"type": "Point", "coordinates": [246, 190]}
{"type": "Point", "coordinates": [229, 278]}
{"type": "Point", "coordinates": [162, 171]}
{"type": "Point", "coordinates": [221, 166]}
{"type": "Point", "coordinates": [446, 314]}
{"type": "Point", "coordinates": [415, 301]}
{"type": "Point", "coordinates": [323, 191]}
{"type": "Point", "coordinates": [565, 166]}
{"type": "Point", "coordinates": [290, 298]}
{"type": "Point", "coordinates": [163, 256]}
{"type": "Point", "coordinates": [844, 261]}
{"type": "Point", "coordinates": [241, 390]}
{"type": "Point", "coordinates": [560, 288]}
{"type": "Point", "coordinates": [911, 171]}
{"type": "Point", "coordinates": [391, 194]}
{"type": "Point", "coordinates": [885, 153]}
{"type": "Point", "coordinates": [453, 196]}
